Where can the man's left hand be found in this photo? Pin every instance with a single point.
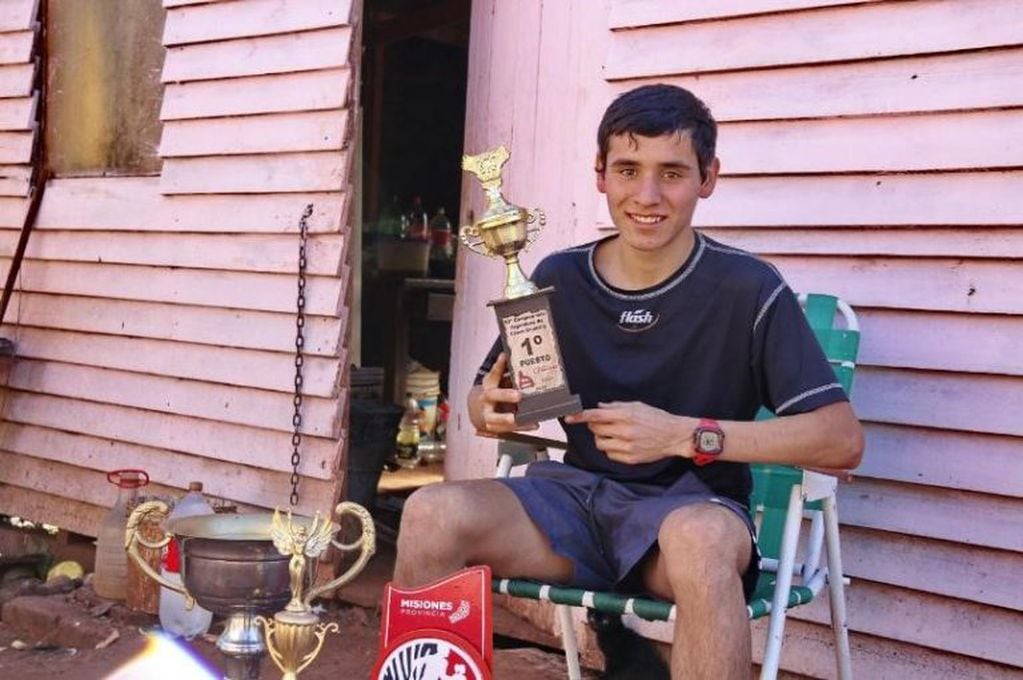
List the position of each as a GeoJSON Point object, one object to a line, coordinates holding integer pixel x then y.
{"type": "Point", "coordinates": [634, 432]}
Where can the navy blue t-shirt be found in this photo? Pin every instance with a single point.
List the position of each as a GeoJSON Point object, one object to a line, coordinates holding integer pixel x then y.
{"type": "Point", "coordinates": [719, 338]}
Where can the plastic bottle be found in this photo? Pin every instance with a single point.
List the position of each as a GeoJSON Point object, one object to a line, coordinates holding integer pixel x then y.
{"type": "Point", "coordinates": [175, 619]}
{"type": "Point", "coordinates": [408, 434]}
{"type": "Point", "coordinates": [110, 579]}
{"type": "Point", "coordinates": [391, 222]}
{"type": "Point", "coordinates": [441, 250]}
{"type": "Point", "coordinates": [417, 221]}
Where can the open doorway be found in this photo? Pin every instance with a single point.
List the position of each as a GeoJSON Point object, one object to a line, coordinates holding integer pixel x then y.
{"type": "Point", "coordinates": [413, 90]}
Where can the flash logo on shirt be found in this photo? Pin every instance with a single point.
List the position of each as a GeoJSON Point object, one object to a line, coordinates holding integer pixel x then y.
{"type": "Point", "coordinates": [637, 320]}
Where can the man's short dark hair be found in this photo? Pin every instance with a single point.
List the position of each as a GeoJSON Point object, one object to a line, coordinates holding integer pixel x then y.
{"type": "Point", "coordinates": [655, 110]}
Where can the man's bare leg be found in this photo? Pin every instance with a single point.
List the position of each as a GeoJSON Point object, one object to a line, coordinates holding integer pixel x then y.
{"type": "Point", "coordinates": [703, 551]}
{"type": "Point", "coordinates": [445, 527]}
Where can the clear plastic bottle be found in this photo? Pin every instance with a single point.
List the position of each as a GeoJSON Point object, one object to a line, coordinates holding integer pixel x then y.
{"type": "Point", "coordinates": [441, 248]}
{"type": "Point", "coordinates": [417, 221]}
{"type": "Point", "coordinates": [175, 618]}
{"type": "Point", "coordinates": [407, 440]}
{"type": "Point", "coordinates": [110, 578]}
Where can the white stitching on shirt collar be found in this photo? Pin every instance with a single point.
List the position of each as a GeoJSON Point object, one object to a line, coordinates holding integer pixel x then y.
{"type": "Point", "coordinates": [702, 243]}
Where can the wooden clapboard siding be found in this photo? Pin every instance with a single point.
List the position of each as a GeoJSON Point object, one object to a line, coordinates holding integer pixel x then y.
{"type": "Point", "coordinates": [307, 51]}
{"type": "Point", "coordinates": [864, 159]}
{"type": "Point", "coordinates": [206, 363]}
{"type": "Point", "coordinates": [219, 21]}
{"type": "Point", "coordinates": [136, 204]}
{"type": "Point", "coordinates": [269, 133]}
{"type": "Point", "coordinates": [211, 401]}
{"type": "Point", "coordinates": [936, 457]}
{"type": "Point", "coordinates": [249, 484]}
{"type": "Point", "coordinates": [867, 31]}
{"type": "Point", "coordinates": [16, 79]}
{"type": "Point", "coordinates": [277, 253]}
{"type": "Point", "coordinates": [219, 441]}
{"type": "Point", "coordinates": [62, 511]}
{"type": "Point", "coordinates": [16, 15]}
{"type": "Point", "coordinates": [977, 79]}
{"type": "Point", "coordinates": [958, 571]}
{"type": "Point", "coordinates": [245, 329]}
{"type": "Point", "coordinates": [16, 47]}
{"type": "Point", "coordinates": [17, 113]}
{"type": "Point", "coordinates": [306, 91]}
{"type": "Point", "coordinates": [321, 171]}
{"type": "Point", "coordinates": [235, 290]}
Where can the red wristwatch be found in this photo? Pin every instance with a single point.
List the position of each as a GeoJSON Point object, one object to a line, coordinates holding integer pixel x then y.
{"type": "Point", "coordinates": [708, 441]}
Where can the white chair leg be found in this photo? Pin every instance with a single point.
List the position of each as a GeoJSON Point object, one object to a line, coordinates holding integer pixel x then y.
{"type": "Point", "coordinates": [836, 590]}
{"type": "Point", "coordinates": [569, 641]}
{"type": "Point", "coordinates": [504, 466]}
{"type": "Point", "coordinates": [779, 604]}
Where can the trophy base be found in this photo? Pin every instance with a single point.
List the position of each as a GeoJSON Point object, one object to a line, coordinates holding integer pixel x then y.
{"type": "Point", "coordinates": [542, 407]}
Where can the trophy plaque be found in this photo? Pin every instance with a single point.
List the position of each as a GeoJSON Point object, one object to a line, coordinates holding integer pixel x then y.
{"type": "Point", "coordinates": [524, 313]}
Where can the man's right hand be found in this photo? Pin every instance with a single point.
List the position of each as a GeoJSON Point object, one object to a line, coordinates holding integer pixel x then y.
{"type": "Point", "coordinates": [494, 405]}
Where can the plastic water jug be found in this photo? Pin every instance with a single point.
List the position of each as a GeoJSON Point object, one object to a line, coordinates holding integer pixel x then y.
{"type": "Point", "coordinates": [175, 618]}
{"type": "Point", "coordinates": [110, 579]}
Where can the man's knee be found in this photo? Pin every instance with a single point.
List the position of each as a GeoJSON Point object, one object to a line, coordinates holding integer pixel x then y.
{"type": "Point", "coordinates": [703, 541]}
{"type": "Point", "coordinates": [440, 510]}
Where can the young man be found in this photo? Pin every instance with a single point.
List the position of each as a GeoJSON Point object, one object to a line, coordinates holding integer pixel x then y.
{"type": "Point", "coordinates": [673, 342]}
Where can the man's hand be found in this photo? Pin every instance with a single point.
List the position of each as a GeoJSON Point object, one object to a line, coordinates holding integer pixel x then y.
{"type": "Point", "coordinates": [634, 432]}
{"type": "Point", "coordinates": [494, 405]}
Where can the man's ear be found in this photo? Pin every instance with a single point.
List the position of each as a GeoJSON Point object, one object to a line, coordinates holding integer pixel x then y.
{"type": "Point", "coordinates": [710, 181]}
{"type": "Point", "coordinates": [598, 168]}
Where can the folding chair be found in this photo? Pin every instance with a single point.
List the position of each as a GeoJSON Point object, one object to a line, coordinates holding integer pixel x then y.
{"type": "Point", "coordinates": [782, 497]}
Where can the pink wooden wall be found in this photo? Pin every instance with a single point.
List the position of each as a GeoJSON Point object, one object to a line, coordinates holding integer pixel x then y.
{"type": "Point", "coordinates": [870, 149]}
{"type": "Point", "coordinates": [154, 318]}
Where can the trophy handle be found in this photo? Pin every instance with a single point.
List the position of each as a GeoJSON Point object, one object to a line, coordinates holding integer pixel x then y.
{"type": "Point", "coordinates": [132, 538]}
{"type": "Point", "coordinates": [366, 542]}
{"type": "Point", "coordinates": [536, 221]}
{"type": "Point", "coordinates": [321, 633]}
{"type": "Point", "coordinates": [470, 236]}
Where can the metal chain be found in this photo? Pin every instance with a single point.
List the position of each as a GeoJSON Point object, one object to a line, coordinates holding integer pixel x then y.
{"type": "Point", "coordinates": [296, 418]}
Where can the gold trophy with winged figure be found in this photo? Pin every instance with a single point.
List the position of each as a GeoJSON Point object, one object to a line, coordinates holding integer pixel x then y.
{"type": "Point", "coordinates": [524, 313]}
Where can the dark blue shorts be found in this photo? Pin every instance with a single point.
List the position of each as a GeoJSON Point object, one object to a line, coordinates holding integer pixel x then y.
{"type": "Point", "coordinates": [606, 527]}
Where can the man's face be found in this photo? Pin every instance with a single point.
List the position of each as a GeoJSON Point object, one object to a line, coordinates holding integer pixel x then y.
{"type": "Point", "coordinates": [652, 186]}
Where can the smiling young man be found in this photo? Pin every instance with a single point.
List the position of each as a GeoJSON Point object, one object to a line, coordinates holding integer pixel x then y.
{"type": "Point", "coordinates": [673, 341]}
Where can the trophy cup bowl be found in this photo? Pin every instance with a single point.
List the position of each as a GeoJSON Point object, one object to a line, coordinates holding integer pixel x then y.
{"type": "Point", "coordinates": [236, 566]}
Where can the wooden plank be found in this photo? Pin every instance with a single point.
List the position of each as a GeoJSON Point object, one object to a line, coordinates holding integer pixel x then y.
{"type": "Point", "coordinates": [18, 113]}
{"type": "Point", "coordinates": [16, 171]}
{"type": "Point", "coordinates": [16, 147]}
{"type": "Point", "coordinates": [637, 13]}
{"type": "Point", "coordinates": [920, 283]}
{"type": "Point", "coordinates": [224, 21]}
{"type": "Point", "coordinates": [243, 329]}
{"type": "Point", "coordinates": [235, 252]}
{"type": "Point", "coordinates": [16, 47]}
{"type": "Point", "coordinates": [18, 15]}
{"type": "Point", "coordinates": [945, 514]}
{"type": "Point", "coordinates": [927, 620]}
{"type": "Point", "coordinates": [297, 172]}
{"type": "Point", "coordinates": [973, 403]}
{"type": "Point", "coordinates": [943, 82]}
{"type": "Point", "coordinates": [867, 31]}
{"type": "Point", "coordinates": [14, 187]}
{"type": "Point", "coordinates": [241, 483]}
{"type": "Point", "coordinates": [136, 204]}
{"type": "Point", "coordinates": [935, 457]}
{"type": "Point", "coordinates": [269, 133]}
{"type": "Point", "coordinates": [12, 212]}
{"type": "Point", "coordinates": [943, 342]}
{"type": "Point", "coordinates": [809, 650]}
{"type": "Point", "coordinates": [181, 3]}
{"type": "Point", "coordinates": [66, 513]}
{"type": "Point", "coordinates": [305, 91]}
{"type": "Point", "coordinates": [241, 290]}
{"type": "Point", "coordinates": [993, 577]}
{"type": "Point", "coordinates": [199, 399]}
{"type": "Point", "coordinates": [962, 199]}
{"type": "Point", "coordinates": [941, 141]}
{"type": "Point", "coordinates": [909, 242]}
{"type": "Point", "coordinates": [16, 79]}
{"type": "Point", "coordinates": [225, 365]}
{"type": "Point", "coordinates": [307, 51]}
{"type": "Point", "coordinates": [220, 441]}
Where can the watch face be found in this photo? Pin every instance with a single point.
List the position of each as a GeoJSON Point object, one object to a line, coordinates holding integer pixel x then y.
{"type": "Point", "coordinates": [709, 441]}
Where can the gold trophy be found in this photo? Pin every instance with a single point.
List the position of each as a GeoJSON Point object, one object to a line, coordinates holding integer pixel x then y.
{"type": "Point", "coordinates": [240, 566]}
{"type": "Point", "coordinates": [524, 314]}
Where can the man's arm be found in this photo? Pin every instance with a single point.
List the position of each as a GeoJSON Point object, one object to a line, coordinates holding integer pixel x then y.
{"type": "Point", "coordinates": [829, 437]}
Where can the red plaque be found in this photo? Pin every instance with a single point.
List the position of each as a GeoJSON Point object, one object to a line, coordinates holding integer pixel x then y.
{"type": "Point", "coordinates": [442, 631]}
